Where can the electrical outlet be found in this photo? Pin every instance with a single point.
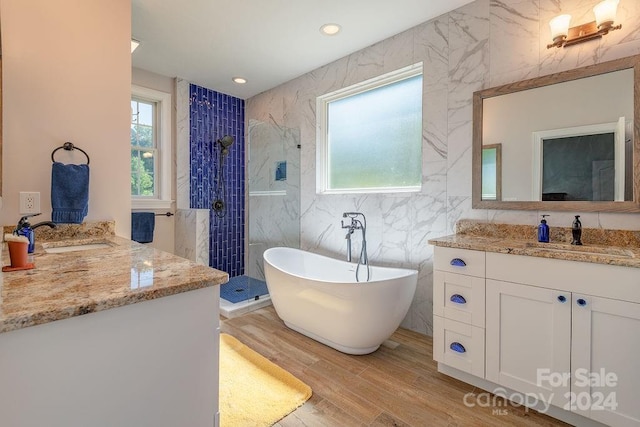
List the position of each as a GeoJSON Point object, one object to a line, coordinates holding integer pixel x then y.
{"type": "Point", "coordinates": [29, 202]}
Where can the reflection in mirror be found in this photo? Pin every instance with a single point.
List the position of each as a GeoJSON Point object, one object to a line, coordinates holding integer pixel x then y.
{"type": "Point", "coordinates": [492, 172]}
{"type": "Point", "coordinates": [569, 141]}
{"type": "Point", "coordinates": [581, 163]}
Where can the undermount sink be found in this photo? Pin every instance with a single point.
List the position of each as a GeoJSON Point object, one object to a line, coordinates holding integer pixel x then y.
{"type": "Point", "coordinates": [76, 247]}
{"type": "Point", "coordinates": [577, 249]}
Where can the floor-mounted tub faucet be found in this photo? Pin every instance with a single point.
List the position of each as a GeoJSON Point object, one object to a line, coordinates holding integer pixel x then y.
{"type": "Point", "coordinates": [350, 229]}
{"type": "Point", "coordinates": [356, 224]}
{"type": "Point", "coordinates": [348, 237]}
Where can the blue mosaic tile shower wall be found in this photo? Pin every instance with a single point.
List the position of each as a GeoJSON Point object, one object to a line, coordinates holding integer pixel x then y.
{"type": "Point", "coordinates": [212, 116]}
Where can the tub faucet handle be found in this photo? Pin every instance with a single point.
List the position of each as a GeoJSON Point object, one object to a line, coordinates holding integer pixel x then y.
{"type": "Point", "coordinates": [349, 226]}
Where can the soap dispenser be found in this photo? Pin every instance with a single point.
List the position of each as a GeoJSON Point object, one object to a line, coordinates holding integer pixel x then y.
{"type": "Point", "coordinates": [576, 231]}
{"type": "Point", "coordinates": [543, 230]}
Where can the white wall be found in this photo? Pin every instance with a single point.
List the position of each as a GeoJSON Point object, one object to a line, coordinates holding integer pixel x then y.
{"type": "Point", "coordinates": [163, 236]}
{"type": "Point", "coordinates": [67, 77]}
{"type": "Point", "coordinates": [483, 44]}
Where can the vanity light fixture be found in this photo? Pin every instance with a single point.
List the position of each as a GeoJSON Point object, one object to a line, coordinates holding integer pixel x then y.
{"type": "Point", "coordinates": [563, 36]}
{"type": "Point", "coordinates": [239, 80]}
{"type": "Point", "coordinates": [330, 29]}
{"type": "Point", "coordinates": [134, 44]}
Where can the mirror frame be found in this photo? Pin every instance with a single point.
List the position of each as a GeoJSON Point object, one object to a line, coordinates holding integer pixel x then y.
{"type": "Point", "coordinates": [564, 76]}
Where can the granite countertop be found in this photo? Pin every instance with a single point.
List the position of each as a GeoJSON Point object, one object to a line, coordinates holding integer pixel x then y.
{"type": "Point", "coordinates": [69, 284]}
{"type": "Point", "coordinates": [616, 247]}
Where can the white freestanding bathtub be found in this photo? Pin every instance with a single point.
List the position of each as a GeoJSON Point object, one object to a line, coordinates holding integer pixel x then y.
{"type": "Point", "coordinates": [320, 298]}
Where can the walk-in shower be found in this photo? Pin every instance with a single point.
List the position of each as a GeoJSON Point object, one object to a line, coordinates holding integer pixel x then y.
{"type": "Point", "coordinates": [273, 206]}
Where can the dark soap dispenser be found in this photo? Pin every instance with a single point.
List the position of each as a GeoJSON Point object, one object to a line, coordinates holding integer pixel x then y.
{"type": "Point", "coordinates": [576, 231]}
{"type": "Point", "coordinates": [543, 230]}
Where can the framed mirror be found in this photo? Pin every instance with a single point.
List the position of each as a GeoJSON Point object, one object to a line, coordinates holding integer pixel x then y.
{"type": "Point", "coordinates": [568, 141]}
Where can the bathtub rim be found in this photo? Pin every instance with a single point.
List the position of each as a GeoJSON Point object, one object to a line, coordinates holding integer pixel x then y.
{"type": "Point", "coordinates": [406, 272]}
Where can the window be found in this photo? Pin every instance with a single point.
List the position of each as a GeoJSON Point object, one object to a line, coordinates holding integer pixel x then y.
{"type": "Point", "coordinates": [144, 148]}
{"type": "Point", "coordinates": [150, 148]}
{"type": "Point", "coordinates": [370, 135]}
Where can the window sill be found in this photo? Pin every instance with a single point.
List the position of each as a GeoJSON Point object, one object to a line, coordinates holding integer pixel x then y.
{"type": "Point", "coordinates": [151, 204]}
{"type": "Point", "coordinates": [388, 190]}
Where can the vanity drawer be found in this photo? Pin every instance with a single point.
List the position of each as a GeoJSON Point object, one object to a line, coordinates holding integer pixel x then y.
{"type": "Point", "coordinates": [459, 297]}
{"type": "Point", "coordinates": [458, 345]}
{"type": "Point", "coordinates": [462, 261]}
{"type": "Point", "coordinates": [608, 281]}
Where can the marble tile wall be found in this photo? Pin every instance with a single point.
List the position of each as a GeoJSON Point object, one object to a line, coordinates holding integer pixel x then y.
{"type": "Point", "coordinates": [183, 148]}
{"type": "Point", "coordinates": [192, 225]}
{"type": "Point", "coordinates": [480, 45]}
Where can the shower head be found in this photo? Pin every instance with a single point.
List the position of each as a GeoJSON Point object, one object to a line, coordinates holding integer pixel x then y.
{"type": "Point", "coordinates": [225, 142]}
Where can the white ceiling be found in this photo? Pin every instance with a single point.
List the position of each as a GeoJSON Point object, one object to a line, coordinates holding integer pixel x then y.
{"type": "Point", "coordinates": [269, 42]}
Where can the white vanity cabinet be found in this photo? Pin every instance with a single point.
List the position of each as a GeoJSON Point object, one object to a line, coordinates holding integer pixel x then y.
{"type": "Point", "coordinates": [566, 332]}
{"type": "Point", "coordinates": [458, 307]}
{"type": "Point", "coordinates": [562, 330]}
{"type": "Point", "coordinates": [606, 341]}
{"type": "Point", "coordinates": [528, 330]}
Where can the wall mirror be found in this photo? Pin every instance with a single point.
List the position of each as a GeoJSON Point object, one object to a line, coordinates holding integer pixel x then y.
{"type": "Point", "coordinates": [568, 141]}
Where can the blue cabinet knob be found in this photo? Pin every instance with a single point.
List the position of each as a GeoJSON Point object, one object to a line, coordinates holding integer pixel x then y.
{"type": "Point", "coordinates": [457, 347]}
{"type": "Point", "coordinates": [581, 302]}
{"type": "Point", "coordinates": [458, 299]}
{"type": "Point", "coordinates": [562, 298]}
{"type": "Point", "coordinates": [457, 262]}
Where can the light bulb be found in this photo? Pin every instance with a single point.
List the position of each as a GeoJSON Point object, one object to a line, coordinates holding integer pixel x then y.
{"type": "Point", "coordinates": [605, 12]}
{"type": "Point", "coordinates": [559, 26]}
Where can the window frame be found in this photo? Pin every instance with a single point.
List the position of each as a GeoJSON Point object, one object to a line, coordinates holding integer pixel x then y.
{"type": "Point", "coordinates": [163, 174]}
{"type": "Point", "coordinates": [322, 142]}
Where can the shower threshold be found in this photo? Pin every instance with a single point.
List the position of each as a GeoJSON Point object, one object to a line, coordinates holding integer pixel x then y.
{"type": "Point", "coordinates": [234, 306]}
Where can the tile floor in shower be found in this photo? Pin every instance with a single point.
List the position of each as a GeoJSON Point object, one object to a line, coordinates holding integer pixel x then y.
{"type": "Point", "coordinates": [241, 295]}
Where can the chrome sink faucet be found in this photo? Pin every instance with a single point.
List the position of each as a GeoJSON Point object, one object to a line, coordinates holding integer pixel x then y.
{"type": "Point", "coordinates": [24, 228]}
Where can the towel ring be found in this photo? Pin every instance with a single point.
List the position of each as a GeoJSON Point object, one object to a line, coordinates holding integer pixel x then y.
{"type": "Point", "coordinates": [69, 147]}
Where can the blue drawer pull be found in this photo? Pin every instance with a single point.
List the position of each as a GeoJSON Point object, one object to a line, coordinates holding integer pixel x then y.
{"type": "Point", "coordinates": [562, 298]}
{"type": "Point", "coordinates": [581, 302]}
{"type": "Point", "coordinates": [457, 347]}
{"type": "Point", "coordinates": [458, 262]}
{"type": "Point", "coordinates": [458, 299]}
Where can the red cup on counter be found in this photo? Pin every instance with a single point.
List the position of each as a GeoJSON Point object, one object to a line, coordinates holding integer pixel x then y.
{"type": "Point", "coordinates": [18, 254]}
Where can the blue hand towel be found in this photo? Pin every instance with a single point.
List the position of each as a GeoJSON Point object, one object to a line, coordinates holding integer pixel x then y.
{"type": "Point", "coordinates": [142, 225]}
{"type": "Point", "coordinates": [69, 193]}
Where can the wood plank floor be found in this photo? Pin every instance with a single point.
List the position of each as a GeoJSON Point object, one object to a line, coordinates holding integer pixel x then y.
{"type": "Point", "coordinates": [397, 385]}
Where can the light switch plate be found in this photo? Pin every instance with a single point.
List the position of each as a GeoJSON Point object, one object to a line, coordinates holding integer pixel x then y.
{"type": "Point", "coordinates": [29, 202]}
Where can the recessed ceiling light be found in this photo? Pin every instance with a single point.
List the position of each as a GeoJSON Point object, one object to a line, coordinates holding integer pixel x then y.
{"type": "Point", "coordinates": [134, 44]}
{"type": "Point", "coordinates": [239, 80]}
{"type": "Point", "coordinates": [330, 29]}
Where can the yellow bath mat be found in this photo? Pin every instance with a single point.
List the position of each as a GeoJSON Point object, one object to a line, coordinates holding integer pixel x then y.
{"type": "Point", "coordinates": [253, 390]}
